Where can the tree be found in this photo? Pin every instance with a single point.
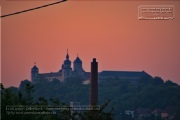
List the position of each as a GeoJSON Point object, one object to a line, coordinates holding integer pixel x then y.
{"type": "Point", "coordinates": [170, 83]}
{"type": "Point", "coordinates": [73, 80]}
{"type": "Point", "coordinates": [157, 81]}
{"type": "Point", "coordinates": [27, 104]}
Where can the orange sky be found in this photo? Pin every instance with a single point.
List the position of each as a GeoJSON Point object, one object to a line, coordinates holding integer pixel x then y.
{"type": "Point", "coordinates": [109, 31]}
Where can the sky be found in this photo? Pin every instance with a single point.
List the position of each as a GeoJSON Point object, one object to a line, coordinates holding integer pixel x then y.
{"type": "Point", "coordinates": [106, 30]}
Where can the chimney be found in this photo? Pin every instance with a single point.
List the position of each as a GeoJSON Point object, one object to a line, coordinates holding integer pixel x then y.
{"type": "Point", "coordinates": [94, 83]}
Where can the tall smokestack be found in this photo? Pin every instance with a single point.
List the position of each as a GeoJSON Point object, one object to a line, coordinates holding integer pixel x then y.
{"type": "Point", "coordinates": [94, 83]}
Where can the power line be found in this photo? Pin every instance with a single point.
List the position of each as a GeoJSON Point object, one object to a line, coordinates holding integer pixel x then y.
{"type": "Point", "coordinates": [32, 9]}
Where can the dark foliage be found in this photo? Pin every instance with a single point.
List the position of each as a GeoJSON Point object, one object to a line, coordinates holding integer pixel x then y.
{"type": "Point", "coordinates": [23, 106]}
{"type": "Point", "coordinates": [126, 94]}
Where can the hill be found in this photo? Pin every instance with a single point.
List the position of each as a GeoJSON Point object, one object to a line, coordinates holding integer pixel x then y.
{"type": "Point", "coordinates": [151, 93]}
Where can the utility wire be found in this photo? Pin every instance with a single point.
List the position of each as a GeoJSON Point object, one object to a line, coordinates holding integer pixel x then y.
{"type": "Point", "coordinates": [32, 9]}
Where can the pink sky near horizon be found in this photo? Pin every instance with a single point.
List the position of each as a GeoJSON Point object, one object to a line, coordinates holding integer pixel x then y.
{"type": "Point", "coordinates": [108, 31]}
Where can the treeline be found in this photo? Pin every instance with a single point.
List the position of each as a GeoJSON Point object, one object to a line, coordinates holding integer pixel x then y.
{"type": "Point", "coordinates": [27, 104]}
{"type": "Point", "coordinates": [152, 93]}
{"type": "Point", "coordinates": [126, 94]}
{"type": "Point", "coordinates": [146, 93]}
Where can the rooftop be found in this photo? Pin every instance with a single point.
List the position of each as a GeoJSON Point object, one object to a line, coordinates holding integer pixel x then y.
{"type": "Point", "coordinates": [51, 74]}
{"type": "Point", "coordinates": [124, 73]}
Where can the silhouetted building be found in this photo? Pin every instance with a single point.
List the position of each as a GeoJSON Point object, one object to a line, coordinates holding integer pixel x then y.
{"type": "Point", "coordinates": [64, 73]}
{"type": "Point", "coordinates": [123, 74]}
{"type": "Point", "coordinates": [67, 71]}
{"type": "Point", "coordinates": [34, 73]}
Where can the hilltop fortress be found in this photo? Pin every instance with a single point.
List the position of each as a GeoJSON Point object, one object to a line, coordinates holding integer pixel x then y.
{"type": "Point", "coordinates": [67, 71]}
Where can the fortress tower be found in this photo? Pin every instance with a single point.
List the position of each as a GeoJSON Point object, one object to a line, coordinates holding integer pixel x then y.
{"type": "Point", "coordinates": [77, 68]}
{"type": "Point", "coordinates": [34, 73]}
{"type": "Point", "coordinates": [66, 68]}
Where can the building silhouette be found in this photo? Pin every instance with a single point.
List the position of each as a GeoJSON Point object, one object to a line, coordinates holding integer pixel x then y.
{"type": "Point", "coordinates": [67, 71]}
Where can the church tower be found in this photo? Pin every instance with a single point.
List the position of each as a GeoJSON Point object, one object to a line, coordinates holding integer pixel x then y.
{"type": "Point", "coordinates": [66, 68]}
{"type": "Point", "coordinates": [34, 73]}
{"type": "Point", "coordinates": [78, 67]}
